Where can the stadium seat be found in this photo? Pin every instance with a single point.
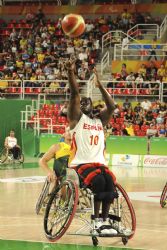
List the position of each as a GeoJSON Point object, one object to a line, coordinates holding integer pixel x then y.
{"type": "Point", "coordinates": [62, 120]}
{"type": "Point", "coordinates": [136, 127]}
{"type": "Point", "coordinates": [112, 120]}
{"type": "Point", "coordinates": [28, 90]}
{"type": "Point", "coordinates": [144, 127]}
{"type": "Point", "coordinates": [109, 90]}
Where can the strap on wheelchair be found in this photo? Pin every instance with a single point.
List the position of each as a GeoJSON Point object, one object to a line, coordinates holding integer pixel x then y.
{"type": "Point", "coordinates": [100, 170]}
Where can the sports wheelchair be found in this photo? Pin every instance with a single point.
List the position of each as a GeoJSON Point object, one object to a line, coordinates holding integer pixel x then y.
{"type": "Point", "coordinates": [163, 198]}
{"type": "Point", "coordinates": [67, 202]}
{"type": "Point", "coordinates": [7, 157]}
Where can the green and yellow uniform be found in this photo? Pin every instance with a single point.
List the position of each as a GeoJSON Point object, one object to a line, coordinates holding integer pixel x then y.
{"type": "Point", "coordinates": [61, 159]}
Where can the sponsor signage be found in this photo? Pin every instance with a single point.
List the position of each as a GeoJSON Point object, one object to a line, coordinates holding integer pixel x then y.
{"type": "Point", "coordinates": [154, 161]}
{"type": "Point", "coordinates": [125, 160]}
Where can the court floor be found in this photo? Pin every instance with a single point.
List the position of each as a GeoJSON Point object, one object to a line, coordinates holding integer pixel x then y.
{"type": "Point", "coordinates": [21, 228]}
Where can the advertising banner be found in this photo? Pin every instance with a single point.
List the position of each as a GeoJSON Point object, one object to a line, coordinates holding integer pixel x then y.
{"type": "Point", "coordinates": [125, 160]}
{"type": "Point", "coordinates": [154, 161]}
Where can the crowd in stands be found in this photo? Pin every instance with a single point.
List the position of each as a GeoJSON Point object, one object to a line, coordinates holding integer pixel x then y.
{"type": "Point", "coordinates": [41, 54]}
{"type": "Point", "coordinates": [146, 81]}
{"type": "Point", "coordinates": [143, 119]}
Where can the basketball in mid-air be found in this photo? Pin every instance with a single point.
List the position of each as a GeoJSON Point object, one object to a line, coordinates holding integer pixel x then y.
{"type": "Point", "coordinates": [73, 25]}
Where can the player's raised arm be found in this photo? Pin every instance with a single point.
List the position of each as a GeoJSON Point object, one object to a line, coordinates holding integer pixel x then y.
{"type": "Point", "coordinates": [74, 111]}
{"type": "Point", "coordinates": [105, 113]}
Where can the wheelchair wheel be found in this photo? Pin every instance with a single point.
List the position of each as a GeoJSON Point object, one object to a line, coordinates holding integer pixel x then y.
{"type": "Point", "coordinates": [60, 210]}
{"type": "Point", "coordinates": [21, 158]}
{"type": "Point", "coordinates": [163, 198]}
{"type": "Point", "coordinates": [42, 200]}
{"type": "Point", "coordinates": [3, 155]}
{"type": "Point", "coordinates": [122, 212]}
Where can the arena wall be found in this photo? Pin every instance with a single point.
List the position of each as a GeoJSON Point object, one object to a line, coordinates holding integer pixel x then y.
{"type": "Point", "coordinates": [10, 116]}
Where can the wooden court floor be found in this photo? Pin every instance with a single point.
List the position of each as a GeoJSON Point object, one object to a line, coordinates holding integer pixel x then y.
{"type": "Point", "coordinates": [18, 197]}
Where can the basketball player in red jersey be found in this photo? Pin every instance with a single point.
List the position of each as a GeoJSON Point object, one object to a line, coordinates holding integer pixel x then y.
{"type": "Point", "coordinates": [88, 146]}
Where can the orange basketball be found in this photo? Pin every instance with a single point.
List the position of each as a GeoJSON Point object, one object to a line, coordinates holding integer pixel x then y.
{"type": "Point", "coordinates": [73, 25]}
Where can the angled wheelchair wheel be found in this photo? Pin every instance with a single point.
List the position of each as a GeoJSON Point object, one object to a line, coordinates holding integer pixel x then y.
{"type": "Point", "coordinates": [3, 155]}
{"type": "Point", "coordinates": [43, 197]}
{"type": "Point", "coordinates": [163, 198]}
{"type": "Point", "coordinates": [122, 213]}
{"type": "Point", "coordinates": [60, 210]}
{"type": "Point", "coordinates": [21, 158]}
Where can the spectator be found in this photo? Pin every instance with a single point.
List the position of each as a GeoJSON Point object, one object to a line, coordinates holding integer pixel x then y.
{"type": "Point", "coordinates": [128, 129]}
{"type": "Point", "coordinates": [161, 72]}
{"type": "Point", "coordinates": [153, 49]}
{"type": "Point", "coordinates": [39, 17]}
{"type": "Point", "coordinates": [130, 80]}
{"type": "Point", "coordinates": [129, 116]}
{"type": "Point", "coordinates": [137, 108]}
{"type": "Point", "coordinates": [126, 105]}
{"type": "Point", "coordinates": [162, 132]}
{"type": "Point", "coordinates": [139, 81]}
{"type": "Point", "coordinates": [160, 119]}
{"type": "Point", "coordinates": [146, 105]}
{"type": "Point", "coordinates": [142, 70]}
{"type": "Point", "coordinates": [151, 71]}
{"type": "Point", "coordinates": [149, 117]}
{"type": "Point", "coordinates": [152, 131]}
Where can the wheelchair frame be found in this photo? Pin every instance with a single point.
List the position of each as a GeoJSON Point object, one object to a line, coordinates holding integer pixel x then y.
{"type": "Point", "coordinates": [6, 157]}
{"type": "Point", "coordinates": [57, 213]}
{"type": "Point", "coordinates": [163, 198]}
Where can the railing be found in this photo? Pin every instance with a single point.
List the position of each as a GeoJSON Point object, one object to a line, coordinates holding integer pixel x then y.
{"type": "Point", "coordinates": [140, 30]}
{"type": "Point", "coordinates": [28, 88]}
{"type": "Point", "coordinates": [90, 86]}
{"type": "Point", "coordinates": [12, 88]}
{"type": "Point", "coordinates": [138, 51]}
{"type": "Point", "coordinates": [105, 62]}
{"type": "Point", "coordinates": [136, 91]}
{"type": "Point", "coordinates": [163, 27]}
{"type": "Point", "coordinates": [114, 37]}
{"type": "Point", "coordinates": [36, 105]}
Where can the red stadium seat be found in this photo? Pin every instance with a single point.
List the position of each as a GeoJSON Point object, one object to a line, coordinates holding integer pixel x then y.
{"type": "Point", "coordinates": [28, 90]}
{"type": "Point", "coordinates": [117, 92]}
{"type": "Point", "coordinates": [112, 120]}
{"type": "Point", "coordinates": [37, 90]}
{"type": "Point", "coordinates": [62, 120]}
{"type": "Point", "coordinates": [140, 133]}
{"type": "Point", "coordinates": [45, 106]}
{"type": "Point", "coordinates": [10, 26]}
{"type": "Point", "coordinates": [41, 113]}
{"type": "Point", "coordinates": [12, 90]}
{"type": "Point", "coordinates": [144, 127]}
{"type": "Point", "coordinates": [109, 90]}
{"type": "Point", "coordinates": [56, 112]}
{"type": "Point", "coordinates": [136, 127]}
{"type": "Point", "coordinates": [126, 91]}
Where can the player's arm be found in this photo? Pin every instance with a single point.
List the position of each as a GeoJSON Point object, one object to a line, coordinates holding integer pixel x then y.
{"type": "Point", "coordinates": [74, 112]}
{"type": "Point", "coordinates": [105, 114]}
{"type": "Point", "coordinates": [43, 162]}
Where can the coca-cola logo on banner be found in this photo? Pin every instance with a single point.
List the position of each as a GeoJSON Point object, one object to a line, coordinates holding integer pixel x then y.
{"type": "Point", "coordinates": [150, 160]}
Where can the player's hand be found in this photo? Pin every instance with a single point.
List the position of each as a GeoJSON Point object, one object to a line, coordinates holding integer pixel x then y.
{"type": "Point", "coordinates": [96, 78]}
{"type": "Point", "coordinates": [51, 176]}
{"type": "Point", "coordinates": [70, 65]}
